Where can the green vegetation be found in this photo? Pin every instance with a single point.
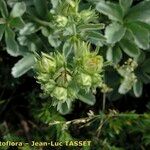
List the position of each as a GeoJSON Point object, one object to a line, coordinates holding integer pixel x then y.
{"type": "Point", "coordinates": [75, 70]}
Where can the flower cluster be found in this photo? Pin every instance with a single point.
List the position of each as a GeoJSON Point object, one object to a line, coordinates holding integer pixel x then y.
{"type": "Point", "coordinates": [129, 77]}
{"type": "Point", "coordinates": [89, 66]}
{"type": "Point", "coordinates": [67, 21]}
{"type": "Point", "coordinates": [63, 80]}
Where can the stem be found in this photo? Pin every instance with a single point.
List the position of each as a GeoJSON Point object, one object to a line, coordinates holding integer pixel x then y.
{"type": "Point", "coordinates": [44, 23]}
{"type": "Point", "coordinates": [101, 126]}
{"type": "Point", "coordinates": [104, 102]}
{"type": "Point", "coordinates": [102, 122]}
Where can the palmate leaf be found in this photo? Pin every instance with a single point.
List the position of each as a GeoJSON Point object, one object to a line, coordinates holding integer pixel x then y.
{"type": "Point", "coordinates": [141, 35]}
{"type": "Point", "coordinates": [140, 12]}
{"type": "Point", "coordinates": [17, 23]}
{"type": "Point", "coordinates": [129, 48]}
{"type": "Point", "coordinates": [23, 65]}
{"type": "Point", "coordinates": [113, 11]}
{"type": "Point", "coordinates": [114, 32]}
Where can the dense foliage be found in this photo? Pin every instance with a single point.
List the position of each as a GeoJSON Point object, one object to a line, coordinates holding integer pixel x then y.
{"type": "Point", "coordinates": [82, 72]}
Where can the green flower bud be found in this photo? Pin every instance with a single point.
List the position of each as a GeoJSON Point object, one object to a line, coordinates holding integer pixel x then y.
{"type": "Point", "coordinates": [60, 93]}
{"type": "Point", "coordinates": [96, 79]}
{"type": "Point", "coordinates": [72, 3]}
{"type": "Point", "coordinates": [47, 64]}
{"type": "Point", "coordinates": [84, 79]}
{"type": "Point", "coordinates": [60, 60]}
{"type": "Point", "coordinates": [72, 93]}
{"type": "Point", "coordinates": [87, 15]}
{"type": "Point", "coordinates": [61, 20]}
{"type": "Point", "coordinates": [64, 79]}
{"type": "Point", "coordinates": [42, 77]}
{"type": "Point", "coordinates": [49, 86]}
{"type": "Point", "coordinates": [93, 63]}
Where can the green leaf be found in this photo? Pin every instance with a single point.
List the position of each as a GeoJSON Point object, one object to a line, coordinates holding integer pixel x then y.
{"type": "Point", "coordinates": [129, 48]}
{"type": "Point", "coordinates": [54, 41]}
{"type": "Point", "coordinates": [141, 58]}
{"type": "Point", "coordinates": [23, 65]}
{"type": "Point", "coordinates": [2, 29]}
{"type": "Point", "coordinates": [16, 23]}
{"type": "Point", "coordinates": [41, 8]}
{"type": "Point", "coordinates": [114, 95]}
{"type": "Point", "coordinates": [2, 21]}
{"type": "Point", "coordinates": [18, 9]}
{"type": "Point", "coordinates": [140, 34]}
{"type": "Point", "coordinates": [138, 88]}
{"type": "Point", "coordinates": [144, 25]}
{"type": "Point", "coordinates": [125, 86]}
{"type": "Point", "coordinates": [87, 98]}
{"type": "Point", "coordinates": [87, 27]}
{"type": "Point", "coordinates": [114, 32]}
{"type": "Point", "coordinates": [23, 40]}
{"type": "Point", "coordinates": [12, 46]}
{"type": "Point", "coordinates": [113, 11]}
{"type": "Point", "coordinates": [140, 12]}
{"type": "Point", "coordinates": [95, 38]}
{"type": "Point", "coordinates": [145, 77]}
{"type": "Point", "coordinates": [146, 66]}
{"type": "Point", "coordinates": [3, 9]}
{"type": "Point", "coordinates": [114, 81]}
{"type": "Point", "coordinates": [64, 109]}
{"type": "Point", "coordinates": [114, 54]}
{"type": "Point", "coordinates": [125, 4]}
{"type": "Point", "coordinates": [67, 48]}
{"type": "Point", "coordinates": [45, 31]}
{"type": "Point", "coordinates": [11, 3]}
{"type": "Point", "coordinates": [28, 29]}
